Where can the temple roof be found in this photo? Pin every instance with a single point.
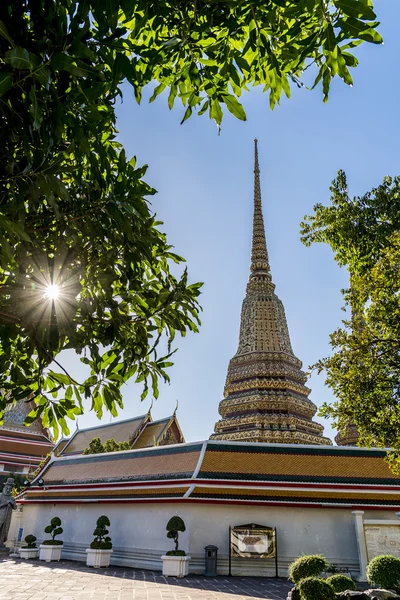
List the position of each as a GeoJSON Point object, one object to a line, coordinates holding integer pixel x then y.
{"type": "Point", "coordinates": [22, 446]}
{"type": "Point", "coordinates": [139, 432]}
{"type": "Point", "coordinates": [152, 433]}
{"type": "Point", "coordinates": [211, 471]}
{"type": "Point", "coordinates": [120, 431]}
{"type": "Point", "coordinates": [265, 397]}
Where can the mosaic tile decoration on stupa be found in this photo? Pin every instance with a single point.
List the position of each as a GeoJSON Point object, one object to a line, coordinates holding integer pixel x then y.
{"type": "Point", "coordinates": [265, 397]}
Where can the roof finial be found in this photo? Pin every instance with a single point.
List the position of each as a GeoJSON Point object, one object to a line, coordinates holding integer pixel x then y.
{"type": "Point", "coordinates": [259, 254]}
{"type": "Point", "coordinates": [176, 408]}
{"type": "Point", "coordinates": [150, 407]}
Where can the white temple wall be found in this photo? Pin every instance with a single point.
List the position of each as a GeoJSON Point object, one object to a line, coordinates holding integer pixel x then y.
{"type": "Point", "coordinates": [139, 535]}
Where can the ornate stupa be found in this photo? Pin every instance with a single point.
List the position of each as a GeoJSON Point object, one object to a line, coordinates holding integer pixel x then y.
{"type": "Point", "coordinates": [348, 436]}
{"type": "Point", "coordinates": [265, 397]}
{"type": "Point", "coordinates": [22, 448]}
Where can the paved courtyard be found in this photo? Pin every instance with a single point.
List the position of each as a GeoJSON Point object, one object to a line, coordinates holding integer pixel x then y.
{"type": "Point", "coordinates": [67, 580]}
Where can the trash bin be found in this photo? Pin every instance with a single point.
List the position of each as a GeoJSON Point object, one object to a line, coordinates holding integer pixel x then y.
{"type": "Point", "coordinates": [211, 561]}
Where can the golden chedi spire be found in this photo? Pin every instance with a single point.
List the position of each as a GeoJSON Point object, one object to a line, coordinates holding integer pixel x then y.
{"type": "Point", "coordinates": [265, 399]}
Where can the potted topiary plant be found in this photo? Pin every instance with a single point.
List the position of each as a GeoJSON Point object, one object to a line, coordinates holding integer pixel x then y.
{"type": "Point", "coordinates": [30, 550]}
{"type": "Point", "coordinates": [99, 553]}
{"type": "Point", "coordinates": [384, 570]}
{"type": "Point", "coordinates": [51, 549]}
{"type": "Point", "coordinates": [175, 562]}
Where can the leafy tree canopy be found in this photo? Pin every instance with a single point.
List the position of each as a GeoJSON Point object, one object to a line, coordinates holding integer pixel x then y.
{"type": "Point", "coordinates": [73, 209]}
{"type": "Point", "coordinates": [96, 446]}
{"type": "Point", "coordinates": [364, 370]}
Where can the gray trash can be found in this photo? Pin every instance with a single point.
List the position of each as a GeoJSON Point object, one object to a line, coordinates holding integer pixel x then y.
{"type": "Point", "coordinates": [211, 561]}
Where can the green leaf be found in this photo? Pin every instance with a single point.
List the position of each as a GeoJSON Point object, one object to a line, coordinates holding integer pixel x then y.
{"type": "Point", "coordinates": [187, 114]}
{"type": "Point", "coordinates": [5, 82]}
{"type": "Point", "coordinates": [19, 58]}
{"type": "Point", "coordinates": [35, 110]}
{"type": "Point", "coordinates": [361, 30]}
{"type": "Point", "coordinates": [356, 8]}
{"type": "Point", "coordinates": [4, 33]}
{"type": "Point", "coordinates": [242, 64]}
{"type": "Point", "coordinates": [330, 37]}
{"type": "Point", "coordinates": [234, 107]}
{"type": "Point", "coordinates": [157, 91]}
{"type": "Point", "coordinates": [215, 111]}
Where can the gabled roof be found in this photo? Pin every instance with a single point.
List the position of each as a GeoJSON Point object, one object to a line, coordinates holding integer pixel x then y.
{"type": "Point", "coordinates": [224, 472]}
{"type": "Point", "coordinates": [120, 431]}
{"type": "Point", "coordinates": [152, 433]}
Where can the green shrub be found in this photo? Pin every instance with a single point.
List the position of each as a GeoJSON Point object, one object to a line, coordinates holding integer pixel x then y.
{"type": "Point", "coordinates": [174, 526]}
{"type": "Point", "coordinates": [307, 566]}
{"type": "Point", "coordinates": [294, 594]}
{"type": "Point", "coordinates": [54, 529]}
{"type": "Point", "coordinates": [384, 570]}
{"type": "Point", "coordinates": [341, 583]}
{"type": "Point", "coordinates": [176, 553]}
{"type": "Point", "coordinates": [101, 541]}
{"type": "Point", "coordinates": [312, 588]}
{"type": "Point", "coordinates": [30, 541]}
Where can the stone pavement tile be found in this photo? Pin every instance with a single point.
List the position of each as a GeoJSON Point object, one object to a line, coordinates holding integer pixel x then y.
{"type": "Point", "coordinates": [68, 580]}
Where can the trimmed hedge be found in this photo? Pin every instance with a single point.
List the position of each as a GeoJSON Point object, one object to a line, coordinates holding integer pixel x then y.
{"type": "Point", "coordinates": [307, 566]}
{"type": "Point", "coordinates": [30, 541]}
{"type": "Point", "coordinates": [313, 588]}
{"type": "Point", "coordinates": [341, 583]}
{"type": "Point", "coordinates": [384, 570]}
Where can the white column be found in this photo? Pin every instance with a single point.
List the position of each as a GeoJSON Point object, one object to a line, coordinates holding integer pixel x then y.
{"type": "Point", "coordinates": [361, 545]}
{"type": "Point", "coordinates": [16, 523]}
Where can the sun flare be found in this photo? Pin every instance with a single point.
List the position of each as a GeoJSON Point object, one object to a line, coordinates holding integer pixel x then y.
{"type": "Point", "coordinates": [52, 291]}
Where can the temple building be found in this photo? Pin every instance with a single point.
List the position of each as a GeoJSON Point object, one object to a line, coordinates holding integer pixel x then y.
{"type": "Point", "coordinates": [266, 399]}
{"type": "Point", "coordinates": [22, 448]}
{"type": "Point", "coordinates": [266, 464]}
{"type": "Point", "coordinates": [139, 432]}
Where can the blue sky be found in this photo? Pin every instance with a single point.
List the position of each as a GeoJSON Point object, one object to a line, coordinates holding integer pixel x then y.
{"type": "Point", "coordinates": [205, 187]}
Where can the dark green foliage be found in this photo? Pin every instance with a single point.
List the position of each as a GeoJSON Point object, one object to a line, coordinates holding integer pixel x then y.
{"type": "Point", "coordinates": [364, 369]}
{"type": "Point", "coordinates": [101, 541]}
{"type": "Point", "coordinates": [313, 588]}
{"type": "Point", "coordinates": [307, 566]}
{"type": "Point", "coordinates": [384, 571]}
{"type": "Point", "coordinates": [73, 208]}
{"type": "Point", "coordinates": [341, 583]}
{"type": "Point", "coordinates": [176, 553]}
{"type": "Point", "coordinates": [54, 529]}
{"type": "Point", "coordinates": [294, 594]}
{"type": "Point", "coordinates": [30, 541]}
{"type": "Point", "coordinates": [96, 447]}
{"type": "Point", "coordinates": [174, 526]}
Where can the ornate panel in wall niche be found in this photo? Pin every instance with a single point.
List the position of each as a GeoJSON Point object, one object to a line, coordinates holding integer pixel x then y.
{"type": "Point", "coordinates": [382, 539]}
{"type": "Point", "coordinates": [169, 438]}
